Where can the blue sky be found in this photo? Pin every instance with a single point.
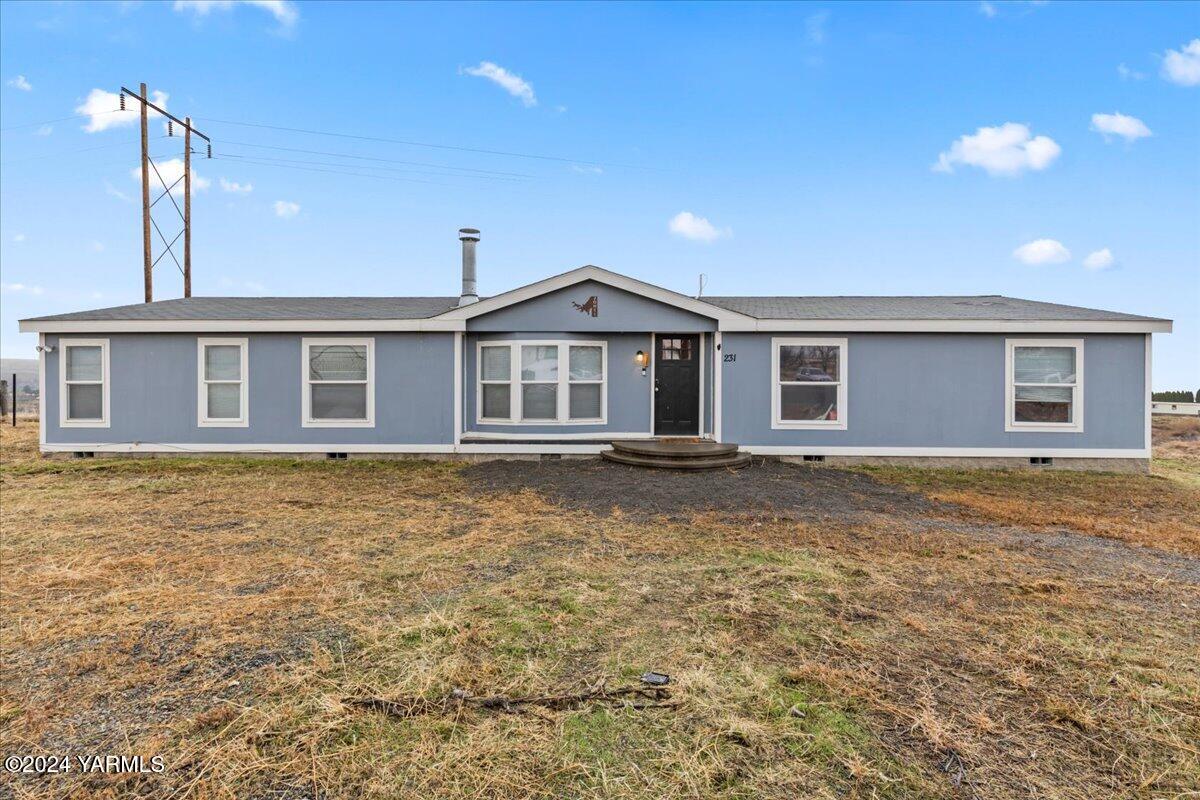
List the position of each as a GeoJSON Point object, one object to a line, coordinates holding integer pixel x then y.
{"type": "Point", "coordinates": [1042, 150]}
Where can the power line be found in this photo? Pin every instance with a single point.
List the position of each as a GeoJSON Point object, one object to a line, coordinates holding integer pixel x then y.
{"type": "Point", "coordinates": [382, 160]}
{"type": "Point", "coordinates": [412, 143]}
{"type": "Point", "coordinates": [244, 160]}
{"type": "Point", "coordinates": [60, 119]}
{"type": "Point", "coordinates": [122, 143]}
{"type": "Point", "coordinates": [366, 167]}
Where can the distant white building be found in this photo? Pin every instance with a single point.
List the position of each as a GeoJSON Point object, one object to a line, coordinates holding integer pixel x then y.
{"type": "Point", "coordinates": [1184, 409]}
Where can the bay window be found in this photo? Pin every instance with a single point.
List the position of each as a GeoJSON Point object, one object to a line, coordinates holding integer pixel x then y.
{"type": "Point", "coordinates": [808, 383]}
{"type": "Point", "coordinates": [541, 382]}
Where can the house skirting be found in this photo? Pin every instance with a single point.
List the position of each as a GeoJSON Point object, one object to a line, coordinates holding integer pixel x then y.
{"type": "Point", "coordinates": [1132, 460]}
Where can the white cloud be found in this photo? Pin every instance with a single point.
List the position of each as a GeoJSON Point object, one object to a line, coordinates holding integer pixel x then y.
{"type": "Point", "coordinates": [699, 229]}
{"type": "Point", "coordinates": [18, 237]}
{"type": "Point", "coordinates": [44, 130]}
{"type": "Point", "coordinates": [113, 191]}
{"type": "Point", "coordinates": [587, 169]}
{"type": "Point", "coordinates": [987, 9]}
{"type": "Point", "coordinates": [1118, 124]}
{"type": "Point", "coordinates": [170, 170]}
{"type": "Point", "coordinates": [21, 288]}
{"type": "Point", "coordinates": [103, 109]}
{"type": "Point", "coordinates": [285, 209]}
{"type": "Point", "coordinates": [1128, 74]}
{"type": "Point", "coordinates": [814, 27]}
{"type": "Point", "coordinates": [21, 83]}
{"type": "Point", "coordinates": [1042, 251]}
{"type": "Point", "coordinates": [97, 247]}
{"type": "Point", "coordinates": [235, 187]}
{"type": "Point", "coordinates": [284, 12]}
{"type": "Point", "coordinates": [513, 84]}
{"type": "Point", "coordinates": [1100, 259]}
{"type": "Point", "coordinates": [1182, 66]}
{"type": "Point", "coordinates": [1008, 149]}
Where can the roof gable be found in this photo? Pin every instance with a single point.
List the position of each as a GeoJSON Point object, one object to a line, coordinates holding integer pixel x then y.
{"type": "Point", "coordinates": [590, 306]}
{"type": "Point", "coordinates": [725, 316]}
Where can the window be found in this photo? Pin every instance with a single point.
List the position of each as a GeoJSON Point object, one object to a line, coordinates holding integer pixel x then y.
{"type": "Point", "coordinates": [223, 387]}
{"type": "Point", "coordinates": [1044, 385]}
{"type": "Point", "coordinates": [83, 386]}
{"type": "Point", "coordinates": [675, 350]}
{"type": "Point", "coordinates": [339, 383]}
{"type": "Point", "coordinates": [496, 382]}
{"type": "Point", "coordinates": [542, 382]}
{"type": "Point", "coordinates": [808, 383]}
{"type": "Point", "coordinates": [585, 382]}
{"type": "Point", "coordinates": [539, 382]}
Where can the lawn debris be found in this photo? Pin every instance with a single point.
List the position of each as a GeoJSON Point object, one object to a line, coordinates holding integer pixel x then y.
{"type": "Point", "coordinates": [635, 697]}
{"type": "Point", "coordinates": [655, 678]}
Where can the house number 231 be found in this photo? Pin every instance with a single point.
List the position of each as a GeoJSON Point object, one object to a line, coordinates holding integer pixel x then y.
{"type": "Point", "coordinates": [729, 358]}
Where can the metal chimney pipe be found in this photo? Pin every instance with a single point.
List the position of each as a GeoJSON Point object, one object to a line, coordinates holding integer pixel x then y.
{"type": "Point", "coordinates": [469, 238]}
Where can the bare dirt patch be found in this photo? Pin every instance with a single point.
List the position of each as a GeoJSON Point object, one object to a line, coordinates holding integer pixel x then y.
{"type": "Point", "coordinates": [767, 489]}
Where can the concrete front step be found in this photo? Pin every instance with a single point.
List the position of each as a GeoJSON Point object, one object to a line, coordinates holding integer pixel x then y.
{"type": "Point", "coordinates": [733, 461]}
{"type": "Point", "coordinates": [674, 448]}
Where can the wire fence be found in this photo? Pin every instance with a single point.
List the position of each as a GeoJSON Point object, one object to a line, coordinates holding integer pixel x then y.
{"type": "Point", "coordinates": [25, 397]}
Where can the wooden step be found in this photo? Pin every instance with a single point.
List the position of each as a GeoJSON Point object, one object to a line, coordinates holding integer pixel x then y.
{"type": "Point", "coordinates": [674, 448]}
{"type": "Point", "coordinates": [733, 461]}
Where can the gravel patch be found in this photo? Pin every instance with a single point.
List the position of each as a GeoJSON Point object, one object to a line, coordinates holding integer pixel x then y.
{"type": "Point", "coordinates": [768, 489]}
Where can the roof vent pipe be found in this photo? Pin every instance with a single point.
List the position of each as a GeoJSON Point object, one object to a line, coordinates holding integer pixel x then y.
{"type": "Point", "coordinates": [469, 238]}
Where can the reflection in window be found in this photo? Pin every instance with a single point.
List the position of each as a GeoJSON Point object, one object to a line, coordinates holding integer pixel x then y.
{"type": "Point", "coordinates": [809, 383]}
{"type": "Point", "coordinates": [675, 349]}
{"type": "Point", "coordinates": [1044, 385]}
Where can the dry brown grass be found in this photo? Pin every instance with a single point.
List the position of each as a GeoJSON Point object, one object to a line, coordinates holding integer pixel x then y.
{"type": "Point", "coordinates": [1160, 510]}
{"type": "Point", "coordinates": [217, 612]}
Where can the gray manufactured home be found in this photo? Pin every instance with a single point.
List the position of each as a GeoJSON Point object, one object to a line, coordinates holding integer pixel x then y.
{"type": "Point", "coordinates": [571, 363]}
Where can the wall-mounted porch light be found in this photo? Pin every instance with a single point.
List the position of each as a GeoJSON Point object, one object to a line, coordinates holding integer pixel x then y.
{"type": "Point", "coordinates": [641, 359]}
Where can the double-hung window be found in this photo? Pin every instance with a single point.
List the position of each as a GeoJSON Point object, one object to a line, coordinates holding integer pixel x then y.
{"type": "Point", "coordinates": [1044, 385]}
{"type": "Point", "coordinates": [539, 382]}
{"type": "Point", "coordinates": [542, 382]}
{"type": "Point", "coordinates": [223, 396]}
{"type": "Point", "coordinates": [808, 383]}
{"type": "Point", "coordinates": [83, 385]}
{"type": "Point", "coordinates": [339, 383]}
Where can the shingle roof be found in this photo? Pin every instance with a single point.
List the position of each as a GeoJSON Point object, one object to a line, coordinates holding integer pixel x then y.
{"type": "Point", "coordinates": [984, 307]}
{"type": "Point", "coordinates": [977, 307]}
{"type": "Point", "coordinates": [268, 308]}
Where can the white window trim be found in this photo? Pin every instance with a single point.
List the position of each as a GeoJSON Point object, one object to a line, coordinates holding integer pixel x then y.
{"type": "Point", "coordinates": [839, 424]}
{"type": "Point", "coordinates": [1010, 423]}
{"type": "Point", "coordinates": [306, 419]}
{"type": "Point", "coordinates": [515, 382]}
{"type": "Point", "coordinates": [202, 418]}
{"type": "Point", "coordinates": [63, 421]}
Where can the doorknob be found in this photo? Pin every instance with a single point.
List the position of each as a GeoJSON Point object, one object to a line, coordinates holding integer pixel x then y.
{"type": "Point", "coordinates": [656, 384]}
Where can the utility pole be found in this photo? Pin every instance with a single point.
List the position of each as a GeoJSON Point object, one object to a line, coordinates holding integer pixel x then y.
{"type": "Point", "coordinates": [187, 207]}
{"type": "Point", "coordinates": [148, 259]}
{"type": "Point", "coordinates": [147, 267]}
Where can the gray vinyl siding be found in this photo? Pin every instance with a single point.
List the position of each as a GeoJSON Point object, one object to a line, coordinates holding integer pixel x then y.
{"type": "Point", "coordinates": [619, 312]}
{"type": "Point", "coordinates": [937, 390]}
{"type": "Point", "coordinates": [624, 320]}
{"type": "Point", "coordinates": [153, 392]}
{"type": "Point", "coordinates": [903, 390]}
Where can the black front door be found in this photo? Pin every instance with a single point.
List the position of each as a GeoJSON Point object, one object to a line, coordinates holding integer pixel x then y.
{"type": "Point", "coordinates": [676, 385]}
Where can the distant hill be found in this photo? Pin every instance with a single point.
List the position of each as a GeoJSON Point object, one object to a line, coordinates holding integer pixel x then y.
{"type": "Point", "coordinates": [26, 369]}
